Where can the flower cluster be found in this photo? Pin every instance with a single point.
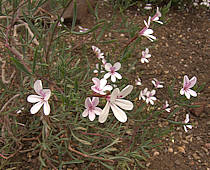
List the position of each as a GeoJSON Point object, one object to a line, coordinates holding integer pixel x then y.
{"type": "Point", "coordinates": [113, 96]}
{"type": "Point", "coordinates": [101, 89]}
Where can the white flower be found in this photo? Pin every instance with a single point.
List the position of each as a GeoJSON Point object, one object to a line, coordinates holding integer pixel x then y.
{"type": "Point", "coordinates": [143, 94]}
{"type": "Point", "coordinates": [40, 99]}
{"type": "Point", "coordinates": [148, 7]}
{"type": "Point", "coordinates": [117, 103]}
{"type": "Point", "coordinates": [156, 17]}
{"type": "Point", "coordinates": [20, 110]}
{"type": "Point", "coordinates": [81, 29]}
{"type": "Point", "coordinates": [157, 83]}
{"type": "Point", "coordinates": [100, 86]}
{"type": "Point", "coordinates": [138, 81]}
{"type": "Point", "coordinates": [166, 107]}
{"type": "Point", "coordinates": [187, 84]}
{"type": "Point", "coordinates": [145, 56]}
{"type": "Point", "coordinates": [91, 109]}
{"type": "Point", "coordinates": [112, 71]}
{"type": "Point", "coordinates": [187, 119]}
{"type": "Point", "coordinates": [150, 97]}
{"type": "Point", "coordinates": [97, 69]}
{"type": "Point", "coordinates": [147, 32]}
{"type": "Point", "coordinates": [98, 52]}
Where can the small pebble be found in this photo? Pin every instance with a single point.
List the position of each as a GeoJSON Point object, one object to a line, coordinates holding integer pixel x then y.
{"type": "Point", "coordinates": [156, 153]}
{"type": "Point", "coordinates": [177, 162]}
{"type": "Point", "coordinates": [181, 149]}
{"type": "Point", "coordinates": [170, 150]}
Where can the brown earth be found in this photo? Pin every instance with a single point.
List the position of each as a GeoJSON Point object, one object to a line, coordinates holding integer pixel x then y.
{"type": "Point", "coordinates": [182, 49]}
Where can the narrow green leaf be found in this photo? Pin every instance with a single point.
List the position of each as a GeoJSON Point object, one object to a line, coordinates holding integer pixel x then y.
{"type": "Point", "coordinates": [174, 112]}
{"type": "Point", "coordinates": [34, 61]}
{"type": "Point", "coordinates": [31, 26]}
{"type": "Point", "coordinates": [107, 166]}
{"type": "Point", "coordinates": [74, 15]}
{"type": "Point", "coordinates": [80, 140]}
{"type": "Point", "coordinates": [20, 66]}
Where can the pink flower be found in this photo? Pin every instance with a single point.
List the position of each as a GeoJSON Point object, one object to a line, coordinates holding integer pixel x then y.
{"type": "Point", "coordinates": [98, 52]}
{"type": "Point", "coordinates": [156, 17]}
{"type": "Point", "coordinates": [157, 83]}
{"type": "Point", "coordinates": [187, 84]}
{"type": "Point", "coordinates": [150, 97]}
{"type": "Point", "coordinates": [100, 86]}
{"type": "Point", "coordinates": [40, 99]}
{"type": "Point", "coordinates": [143, 94]}
{"type": "Point", "coordinates": [166, 107]}
{"type": "Point", "coordinates": [138, 82]}
{"type": "Point", "coordinates": [145, 56]}
{"type": "Point", "coordinates": [91, 109]}
{"type": "Point", "coordinates": [147, 32]}
{"type": "Point", "coordinates": [97, 69]}
{"type": "Point", "coordinates": [187, 119]}
{"type": "Point", "coordinates": [117, 103]}
{"type": "Point", "coordinates": [81, 29]}
{"type": "Point", "coordinates": [112, 71]}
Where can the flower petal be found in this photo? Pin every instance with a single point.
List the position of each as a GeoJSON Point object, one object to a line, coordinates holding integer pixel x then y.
{"type": "Point", "coordinates": [35, 108]}
{"type": "Point", "coordinates": [103, 83]}
{"type": "Point", "coordinates": [34, 98]}
{"type": "Point", "coordinates": [38, 86]}
{"type": "Point", "coordinates": [114, 95]}
{"type": "Point", "coordinates": [124, 104]}
{"type": "Point", "coordinates": [182, 91]}
{"type": "Point", "coordinates": [185, 129]}
{"type": "Point", "coordinates": [186, 81]}
{"type": "Point", "coordinates": [108, 66]}
{"type": "Point", "coordinates": [91, 116]}
{"type": "Point", "coordinates": [104, 114]}
{"type": "Point", "coordinates": [118, 75]}
{"type": "Point", "coordinates": [192, 82]}
{"type": "Point", "coordinates": [113, 78]}
{"type": "Point", "coordinates": [187, 119]}
{"type": "Point", "coordinates": [107, 75]}
{"type": "Point", "coordinates": [95, 101]}
{"type": "Point", "coordinates": [189, 126]}
{"type": "Point", "coordinates": [148, 32]}
{"type": "Point", "coordinates": [117, 66]}
{"type": "Point", "coordinates": [119, 113]}
{"type": "Point", "coordinates": [187, 94]}
{"type": "Point", "coordinates": [47, 94]}
{"type": "Point", "coordinates": [97, 110]}
{"type": "Point", "coordinates": [85, 113]}
{"type": "Point", "coordinates": [96, 81]}
{"type": "Point", "coordinates": [88, 102]}
{"type": "Point", "coordinates": [192, 93]}
{"type": "Point", "coordinates": [108, 88]}
{"type": "Point", "coordinates": [46, 108]}
{"type": "Point", "coordinates": [126, 91]}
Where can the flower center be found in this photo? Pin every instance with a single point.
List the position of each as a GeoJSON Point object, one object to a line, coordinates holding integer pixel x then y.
{"type": "Point", "coordinates": [112, 70]}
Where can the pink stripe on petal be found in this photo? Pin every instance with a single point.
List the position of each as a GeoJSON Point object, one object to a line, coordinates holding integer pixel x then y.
{"type": "Point", "coordinates": [95, 101]}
